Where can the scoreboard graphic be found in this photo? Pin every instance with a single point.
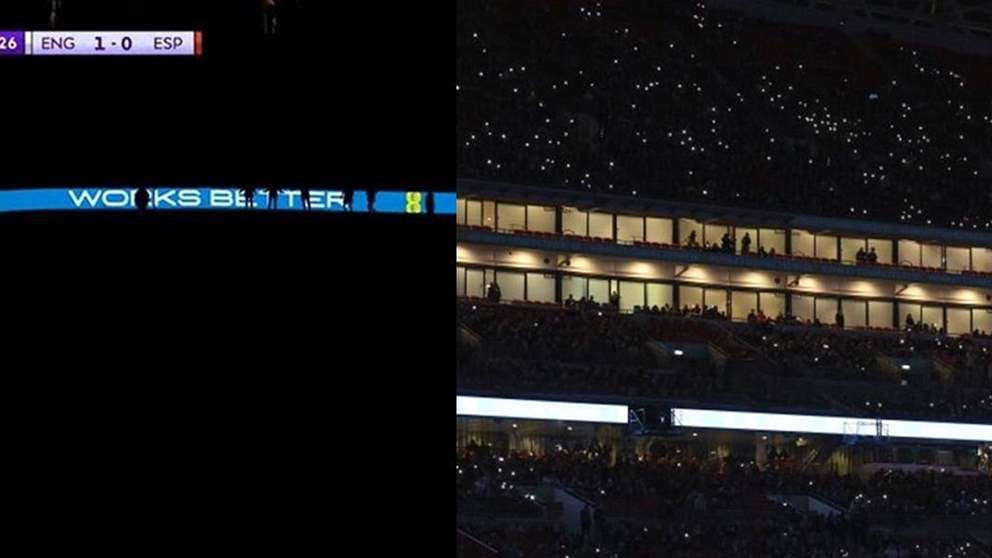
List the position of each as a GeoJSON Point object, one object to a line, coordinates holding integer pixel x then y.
{"type": "Point", "coordinates": [195, 199]}
{"type": "Point", "coordinates": [101, 43]}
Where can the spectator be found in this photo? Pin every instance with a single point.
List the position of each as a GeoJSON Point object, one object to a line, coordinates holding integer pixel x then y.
{"type": "Point", "coordinates": [585, 517]}
{"type": "Point", "coordinates": [746, 244]}
{"type": "Point", "coordinates": [615, 299]}
{"type": "Point", "coordinates": [142, 198]}
{"type": "Point", "coordinates": [273, 195]}
{"type": "Point", "coordinates": [839, 318]}
{"type": "Point", "coordinates": [494, 292]}
{"type": "Point", "coordinates": [305, 198]}
{"type": "Point", "coordinates": [249, 194]}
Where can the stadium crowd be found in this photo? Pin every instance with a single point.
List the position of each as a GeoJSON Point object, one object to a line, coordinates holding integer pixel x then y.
{"type": "Point", "coordinates": [545, 350]}
{"type": "Point", "coordinates": [683, 101]}
{"type": "Point", "coordinates": [656, 505]}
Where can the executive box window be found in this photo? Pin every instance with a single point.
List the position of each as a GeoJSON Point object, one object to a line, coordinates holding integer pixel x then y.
{"type": "Point", "coordinates": [802, 307]}
{"type": "Point", "coordinates": [771, 238]}
{"type": "Point", "coordinates": [855, 313]}
{"type": "Point", "coordinates": [883, 249]}
{"type": "Point", "coordinates": [826, 310]}
{"type": "Point", "coordinates": [910, 253]}
{"type": "Point", "coordinates": [772, 304]}
{"type": "Point", "coordinates": [658, 230]}
{"type": "Point", "coordinates": [742, 303]}
{"type": "Point", "coordinates": [982, 320]}
{"type": "Point", "coordinates": [933, 315]}
{"type": "Point", "coordinates": [690, 296]}
{"type": "Point", "coordinates": [958, 259]}
{"type": "Point", "coordinates": [825, 246]}
{"type": "Point", "coordinates": [716, 297]}
{"type": "Point", "coordinates": [601, 225]}
{"type": "Point", "coordinates": [713, 234]}
{"type": "Point", "coordinates": [802, 243]}
{"type": "Point", "coordinates": [660, 294]}
{"type": "Point", "coordinates": [630, 228]}
{"type": "Point", "coordinates": [512, 217]}
{"type": "Point", "coordinates": [540, 287]}
{"type": "Point", "coordinates": [574, 222]}
{"type": "Point", "coordinates": [577, 287]}
{"type": "Point", "coordinates": [958, 321]}
{"type": "Point", "coordinates": [880, 314]}
{"type": "Point", "coordinates": [849, 248]}
{"type": "Point", "coordinates": [540, 218]}
{"type": "Point", "coordinates": [982, 259]}
{"type": "Point", "coordinates": [931, 255]}
{"type": "Point", "coordinates": [739, 233]}
{"type": "Point", "coordinates": [631, 295]}
{"type": "Point", "coordinates": [511, 285]}
{"type": "Point", "coordinates": [600, 290]}
{"type": "Point", "coordinates": [686, 228]}
{"type": "Point", "coordinates": [469, 212]}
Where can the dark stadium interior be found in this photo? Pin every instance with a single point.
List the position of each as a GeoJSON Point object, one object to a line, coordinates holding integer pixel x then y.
{"type": "Point", "coordinates": [777, 207]}
{"type": "Point", "coordinates": [172, 376]}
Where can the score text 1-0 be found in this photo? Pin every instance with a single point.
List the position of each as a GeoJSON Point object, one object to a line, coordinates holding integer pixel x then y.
{"type": "Point", "coordinates": [101, 43]}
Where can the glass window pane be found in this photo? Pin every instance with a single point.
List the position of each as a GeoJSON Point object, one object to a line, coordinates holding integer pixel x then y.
{"type": "Point", "coordinates": [511, 285]}
{"type": "Point", "coordinates": [686, 228]}
{"type": "Point", "coordinates": [933, 315]}
{"type": "Point", "coordinates": [752, 234]}
{"type": "Point", "coordinates": [511, 217]}
{"type": "Point", "coordinates": [630, 228]}
{"type": "Point", "coordinates": [983, 320]}
{"type": "Point", "coordinates": [599, 290]}
{"type": "Point", "coordinates": [826, 247]}
{"type": "Point", "coordinates": [475, 283]}
{"type": "Point", "coordinates": [802, 307]}
{"type": "Point", "coordinates": [880, 314]}
{"type": "Point", "coordinates": [982, 259]}
{"type": "Point", "coordinates": [742, 303]}
{"type": "Point", "coordinates": [690, 296]}
{"type": "Point", "coordinates": [459, 281]}
{"type": "Point", "coordinates": [540, 218]}
{"type": "Point", "coordinates": [958, 259]}
{"type": "Point", "coordinates": [540, 287]}
{"type": "Point", "coordinates": [489, 214]}
{"type": "Point", "coordinates": [883, 249]}
{"type": "Point", "coordinates": [716, 297]}
{"type": "Point", "coordinates": [907, 309]}
{"type": "Point", "coordinates": [575, 286]}
{"type": "Point", "coordinates": [909, 252]}
{"type": "Point", "coordinates": [659, 294]}
{"type": "Point", "coordinates": [802, 244]}
{"type": "Point", "coordinates": [631, 295]}
{"type": "Point", "coordinates": [713, 234]}
{"type": "Point", "coordinates": [772, 304]}
{"type": "Point", "coordinates": [848, 248]}
{"type": "Point", "coordinates": [931, 255]}
{"type": "Point", "coordinates": [574, 222]}
{"type": "Point", "coordinates": [958, 321]}
{"type": "Point", "coordinates": [771, 238]}
{"type": "Point", "coordinates": [826, 310]}
{"type": "Point", "coordinates": [855, 313]}
{"type": "Point", "coordinates": [460, 216]}
{"type": "Point", "coordinates": [601, 225]}
{"type": "Point", "coordinates": [659, 230]}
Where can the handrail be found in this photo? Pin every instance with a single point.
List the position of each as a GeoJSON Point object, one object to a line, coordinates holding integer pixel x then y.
{"type": "Point", "coordinates": [485, 546]}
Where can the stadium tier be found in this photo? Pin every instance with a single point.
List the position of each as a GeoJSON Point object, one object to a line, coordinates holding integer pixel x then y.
{"type": "Point", "coordinates": [724, 279]}
{"type": "Point", "coordinates": [681, 100]}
